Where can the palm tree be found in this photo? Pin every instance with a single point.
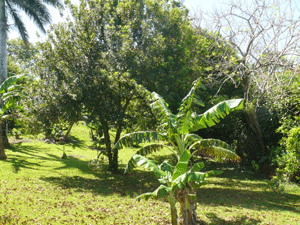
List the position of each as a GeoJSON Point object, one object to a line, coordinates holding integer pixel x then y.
{"type": "Point", "coordinates": [35, 9]}
{"type": "Point", "coordinates": [38, 12]}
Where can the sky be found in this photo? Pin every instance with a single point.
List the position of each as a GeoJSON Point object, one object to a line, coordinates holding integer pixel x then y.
{"type": "Point", "coordinates": [56, 18]}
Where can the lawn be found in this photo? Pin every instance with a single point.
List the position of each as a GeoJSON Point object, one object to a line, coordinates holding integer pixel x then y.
{"type": "Point", "coordinates": [37, 186]}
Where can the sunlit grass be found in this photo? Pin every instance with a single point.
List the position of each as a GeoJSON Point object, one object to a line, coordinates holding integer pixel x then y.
{"type": "Point", "coordinates": [37, 186]}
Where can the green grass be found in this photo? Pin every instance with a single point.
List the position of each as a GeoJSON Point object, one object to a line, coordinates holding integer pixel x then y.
{"type": "Point", "coordinates": [37, 186]}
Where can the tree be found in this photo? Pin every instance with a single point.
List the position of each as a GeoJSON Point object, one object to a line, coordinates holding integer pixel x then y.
{"type": "Point", "coordinates": [21, 54]}
{"type": "Point", "coordinates": [36, 10]}
{"type": "Point", "coordinates": [48, 108]}
{"type": "Point", "coordinates": [176, 131]}
{"type": "Point", "coordinates": [109, 49]}
{"type": "Point", "coordinates": [265, 34]}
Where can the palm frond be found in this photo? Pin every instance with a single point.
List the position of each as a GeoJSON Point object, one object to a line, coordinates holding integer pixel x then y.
{"type": "Point", "coordinates": [35, 10]}
{"type": "Point", "coordinates": [38, 12]}
{"type": "Point", "coordinates": [18, 22]}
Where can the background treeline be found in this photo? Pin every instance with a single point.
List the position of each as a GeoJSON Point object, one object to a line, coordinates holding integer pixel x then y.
{"type": "Point", "coordinates": [99, 65]}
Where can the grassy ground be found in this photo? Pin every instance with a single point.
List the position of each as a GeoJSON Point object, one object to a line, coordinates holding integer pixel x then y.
{"type": "Point", "coordinates": [37, 186]}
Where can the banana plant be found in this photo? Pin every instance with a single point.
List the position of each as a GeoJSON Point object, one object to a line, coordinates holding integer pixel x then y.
{"type": "Point", "coordinates": [9, 95]}
{"type": "Point", "coordinates": [177, 184]}
{"type": "Point", "coordinates": [176, 130]}
{"type": "Point", "coordinates": [175, 133]}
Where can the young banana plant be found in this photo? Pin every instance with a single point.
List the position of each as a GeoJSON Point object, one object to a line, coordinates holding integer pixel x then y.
{"type": "Point", "coordinates": [9, 95]}
{"type": "Point", "coordinates": [178, 184]}
{"type": "Point", "coordinates": [176, 130]}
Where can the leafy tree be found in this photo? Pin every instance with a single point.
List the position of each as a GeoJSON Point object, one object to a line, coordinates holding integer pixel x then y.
{"type": "Point", "coordinates": [48, 108]}
{"type": "Point", "coordinates": [265, 35]}
{"type": "Point", "coordinates": [22, 54]}
{"type": "Point", "coordinates": [109, 49]}
{"type": "Point", "coordinates": [176, 131]}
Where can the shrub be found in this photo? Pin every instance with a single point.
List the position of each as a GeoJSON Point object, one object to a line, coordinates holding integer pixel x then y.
{"type": "Point", "coordinates": [289, 161]}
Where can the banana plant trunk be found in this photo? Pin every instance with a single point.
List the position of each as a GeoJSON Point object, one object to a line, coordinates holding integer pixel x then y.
{"type": "Point", "coordinates": [172, 202]}
{"type": "Point", "coordinates": [187, 207]}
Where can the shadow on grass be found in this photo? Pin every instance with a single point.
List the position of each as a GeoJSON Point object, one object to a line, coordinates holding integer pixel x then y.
{"type": "Point", "coordinates": [227, 193]}
{"type": "Point", "coordinates": [74, 142]}
{"type": "Point", "coordinates": [22, 162]}
{"type": "Point", "coordinates": [104, 183]}
{"type": "Point", "coordinates": [17, 164]}
{"type": "Point", "coordinates": [232, 190]}
{"type": "Point", "coordinates": [130, 185]}
{"type": "Point", "coordinates": [214, 219]}
{"type": "Point", "coordinates": [250, 199]}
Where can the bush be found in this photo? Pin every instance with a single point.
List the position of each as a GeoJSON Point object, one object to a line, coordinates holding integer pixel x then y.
{"type": "Point", "coordinates": [289, 161]}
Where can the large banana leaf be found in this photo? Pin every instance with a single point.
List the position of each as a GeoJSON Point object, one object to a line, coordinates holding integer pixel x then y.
{"type": "Point", "coordinates": [143, 152]}
{"type": "Point", "coordinates": [149, 164]}
{"type": "Point", "coordinates": [160, 108]}
{"type": "Point", "coordinates": [182, 164]}
{"type": "Point", "coordinates": [212, 116]}
{"type": "Point", "coordinates": [215, 148]}
{"type": "Point", "coordinates": [191, 138]}
{"type": "Point", "coordinates": [160, 192]}
{"type": "Point", "coordinates": [136, 138]}
{"type": "Point", "coordinates": [9, 82]}
{"type": "Point", "coordinates": [186, 178]}
{"type": "Point", "coordinates": [198, 166]}
{"type": "Point", "coordinates": [166, 167]}
{"type": "Point", "coordinates": [184, 119]}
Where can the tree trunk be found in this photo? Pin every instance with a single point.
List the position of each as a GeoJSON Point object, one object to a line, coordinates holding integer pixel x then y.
{"type": "Point", "coordinates": [69, 130]}
{"type": "Point", "coordinates": [112, 165]}
{"type": "Point", "coordinates": [251, 115]}
{"type": "Point", "coordinates": [118, 134]}
{"type": "Point", "coordinates": [2, 151]}
{"type": "Point", "coordinates": [3, 43]}
{"type": "Point", "coordinates": [4, 134]}
{"type": "Point", "coordinates": [252, 121]}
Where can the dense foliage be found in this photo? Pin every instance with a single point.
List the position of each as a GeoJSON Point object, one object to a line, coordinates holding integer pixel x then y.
{"type": "Point", "coordinates": [96, 64]}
